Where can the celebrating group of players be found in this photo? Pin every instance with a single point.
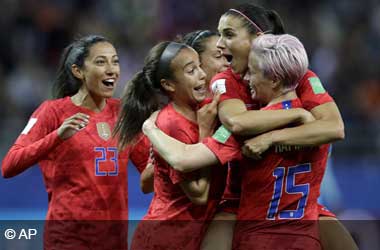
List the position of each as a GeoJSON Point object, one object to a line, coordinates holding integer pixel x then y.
{"type": "Point", "coordinates": [235, 155]}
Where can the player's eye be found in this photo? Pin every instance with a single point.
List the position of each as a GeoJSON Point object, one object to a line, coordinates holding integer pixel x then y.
{"type": "Point", "coordinates": [100, 62]}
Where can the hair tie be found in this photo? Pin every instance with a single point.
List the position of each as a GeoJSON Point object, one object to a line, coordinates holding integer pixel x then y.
{"type": "Point", "coordinates": [248, 19]}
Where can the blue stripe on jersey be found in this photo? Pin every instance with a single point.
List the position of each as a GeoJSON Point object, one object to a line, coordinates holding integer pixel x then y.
{"type": "Point", "coordinates": [287, 104]}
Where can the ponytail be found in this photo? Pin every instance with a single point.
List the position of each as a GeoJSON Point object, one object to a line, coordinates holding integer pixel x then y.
{"type": "Point", "coordinates": [143, 93]}
{"type": "Point", "coordinates": [276, 22]}
{"type": "Point", "coordinates": [139, 101]}
{"type": "Point", "coordinates": [65, 83]}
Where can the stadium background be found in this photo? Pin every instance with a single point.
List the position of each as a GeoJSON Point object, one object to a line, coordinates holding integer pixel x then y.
{"type": "Point", "coordinates": [342, 38]}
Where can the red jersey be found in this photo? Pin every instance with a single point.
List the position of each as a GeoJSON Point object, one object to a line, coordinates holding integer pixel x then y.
{"type": "Point", "coordinates": [231, 86]}
{"type": "Point", "coordinates": [139, 153]}
{"type": "Point", "coordinates": [173, 221]}
{"type": "Point", "coordinates": [277, 191]}
{"type": "Point", "coordinates": [85, 176]}
{"type": "Point", "coordinates": [311, 91]}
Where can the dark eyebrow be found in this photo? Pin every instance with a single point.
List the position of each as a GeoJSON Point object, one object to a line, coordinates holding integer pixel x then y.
{"type": "Point", "coordinates": [187, 64]}
{"type": "Point", "coordinates": [104, 57]}
{"type": "Point", "coordinates": [227, 29]}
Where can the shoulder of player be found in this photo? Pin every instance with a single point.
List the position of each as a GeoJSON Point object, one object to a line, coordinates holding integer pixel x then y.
{"type": "Point", "coordinates": [170, 121]}
{"type": "Point", "coordinates": [226, 75]}
{"type": "Point", "coordinates": [309, 74]}
{"type": "Point", "coordinates": [223, 81]}
{"type": "Point", "coordinates": [165, 117]}
{"type": "Point", "coordinates": [52, 104]}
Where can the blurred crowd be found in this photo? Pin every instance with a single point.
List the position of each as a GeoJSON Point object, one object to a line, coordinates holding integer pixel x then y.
{"type": "Point", "coordinates": [342, 38]}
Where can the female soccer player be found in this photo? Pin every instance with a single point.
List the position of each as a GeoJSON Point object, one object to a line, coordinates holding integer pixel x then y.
{"type": "Point", "coordinates": [266, 217]}
{"type": "Point", "coordinates": [179, 210]}
{"type": "Point", "coordinates": [212, 62]}
{"type": "Point", "coordinates": [211, 58]}
{"type": "Point", "coordinates": [238, 27]}
{"type": "Point", "coordinates": [70, 138]}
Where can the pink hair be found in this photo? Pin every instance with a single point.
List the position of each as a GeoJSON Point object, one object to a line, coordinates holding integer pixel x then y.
{"type": "Point", "coordinates": [281, 57]}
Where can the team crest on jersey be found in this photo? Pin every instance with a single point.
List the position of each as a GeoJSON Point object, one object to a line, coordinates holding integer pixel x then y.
{"type": "Point", "coordinates": [104, 130]}
{"type": "Point", "coordinates": [219, 85]}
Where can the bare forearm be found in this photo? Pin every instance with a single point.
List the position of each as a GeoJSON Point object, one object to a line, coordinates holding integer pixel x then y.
{"type": "Point", "coordinates": [311, 134]}
{"type": "Point", "coordinates": [205, 132]}
{"type": "Point", "coordinates": [169, 148]}
{"type": "Point", "coordinates": [180, 156]}
{"type": "Point", "coordinates": [147, 179]}
{"type": "Point", "coordinates": [328, 127]}
{"type": "Point", "coordinates": [198, 190]}
{"type": "Point", "coordinates": [255, 122]}
{"type": "Point", "coordinates": [204, 182]}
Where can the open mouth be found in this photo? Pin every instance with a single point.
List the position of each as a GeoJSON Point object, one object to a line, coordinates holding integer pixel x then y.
{"type": "Point", "coordinates": [201, 88]}
{"type": "Point", "coordinates": [228, 58]}
{"type": "Point", "coordinates": [109, 82]}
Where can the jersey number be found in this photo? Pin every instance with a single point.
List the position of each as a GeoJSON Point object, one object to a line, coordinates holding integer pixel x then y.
{"type": "Point", "coordinates": [290, 188]}
{"type": "Point", "coordinates": [103, 158]}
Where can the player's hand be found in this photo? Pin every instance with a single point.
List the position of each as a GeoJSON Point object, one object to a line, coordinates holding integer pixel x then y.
{"type": "Point", "coordinates": [72, 125]}
{"type": "Point", "coordinates": [207, 115]}
{"type": "Point", "coordinates": [150, 123]}
{"type": "Point", "coordinates": [255, 147]}
{"type": "Point", "coordinates": [306, 116]}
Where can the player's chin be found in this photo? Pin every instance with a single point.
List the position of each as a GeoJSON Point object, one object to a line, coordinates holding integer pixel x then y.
{"type": "Point", "coordinates": [222, 69]}
{"type": "Point", "coordinates": [198, 98]}
{"type": "Point", "coordinates": [107, 94]}
{"type": "Point", "coordinates": [200, 94]}
{"type": "Point", "coordinates": [239, 67]}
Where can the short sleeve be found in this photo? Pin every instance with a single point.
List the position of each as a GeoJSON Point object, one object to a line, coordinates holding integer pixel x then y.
{"type": "Point", "coordinates": [225, 86]}
{"type": "Point", "coordinates": [311, 91]}
{"type": "Point", "coordinates": [224, 145]}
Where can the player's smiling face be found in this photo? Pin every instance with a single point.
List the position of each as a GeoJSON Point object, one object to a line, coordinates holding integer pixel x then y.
{"type": "Point", "coordinates": [189, 79]}
{"type": "Point", "coordinates": [235, 42]}
{"type": "Point", "coordinates": [261, 86]}
{"type": "Point", "coordinates": [101, 70]}
{"type": "Point", "coordinates": [213, 61]}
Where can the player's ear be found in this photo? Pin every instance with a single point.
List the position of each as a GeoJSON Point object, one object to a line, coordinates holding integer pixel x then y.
{"type": "Point", "coordinates": [167, 85]}
{"type": "Point", "coordinates": [77, 72]}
